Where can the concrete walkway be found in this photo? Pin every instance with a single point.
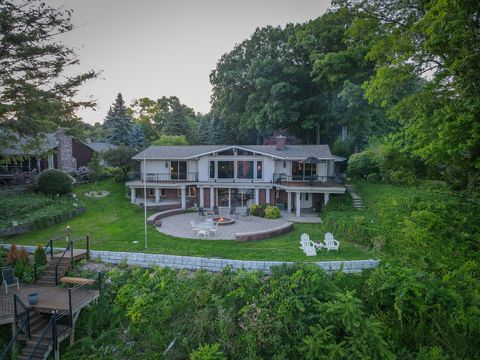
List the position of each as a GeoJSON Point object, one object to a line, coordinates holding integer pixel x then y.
{"type": "Point", "coordinates": [357, 200]}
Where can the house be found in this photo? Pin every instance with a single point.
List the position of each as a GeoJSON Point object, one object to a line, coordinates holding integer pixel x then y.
{"type": "Point", "coordinates": [237, 175]}
{"type": "Point", "coordinates": [55, 151]}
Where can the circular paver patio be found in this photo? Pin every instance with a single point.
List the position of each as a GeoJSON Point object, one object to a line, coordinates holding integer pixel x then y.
{"type": "Point", "coordinates": [179, 226]}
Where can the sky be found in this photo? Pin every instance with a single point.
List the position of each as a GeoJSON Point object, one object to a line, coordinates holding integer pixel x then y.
{"type": "Point", "coordinates": [155, 48]}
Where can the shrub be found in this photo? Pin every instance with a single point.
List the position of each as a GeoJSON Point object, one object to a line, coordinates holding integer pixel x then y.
{"type": "Point", "coordinates": [257, 210]}
{"type": "Point", "coordinates": [374, 178]}
{"type": "Point", "coordinates": [208, 352]}
{"type": "Point", "coordinates": [401, 177]}
{"type": "Point", "coordinates": [53, 181]}
{"type": "Point", "coordinates": [82, 173]}
{"type": "Point", "coordinates": [272, 212]}
{"type": "Point", "coordinates": [12, 255]}
{"type": "Point", "coordinates": [23, 257]}
{"type": "Point", "coordinates": [363, 163]}
{"type": "Point", "coordinates": [40, 256]}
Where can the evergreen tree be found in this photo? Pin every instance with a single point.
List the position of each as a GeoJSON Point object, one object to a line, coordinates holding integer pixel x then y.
{"type": "Point", "coordinates": [219, 132]}
{"type": "Point", "coordinates": [176, 122]}
{"type": "Point", "coordinates": [137, 137]}
{"type": "Point", "coordinates": [204, 133]}
{"type": "Point", "coordinates": [118, 123]}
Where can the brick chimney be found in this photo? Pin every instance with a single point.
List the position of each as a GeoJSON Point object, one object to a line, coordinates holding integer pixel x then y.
{"type": "Point", "coordinates": [65, 160]}
{"type": "Point", "coordinates": [281, 141]}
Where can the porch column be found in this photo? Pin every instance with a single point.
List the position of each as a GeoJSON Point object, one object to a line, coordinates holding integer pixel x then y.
{"type": "Point", "coordinates": [133, 195]}
{"type": "Point", "coordinates": [326, 198]}
{"type": "Point", "coordinates": [157, 195]}
{"type": "Point", "coordinates": [202, 197]}
{"type": "Point", "coordinates": [297, 204]}
{"type": "Point", "coordinates": [184, 198]}
{"type": "Point", "coordinates": [257, 197]}
{"type": "Point", "coordinates": [212, 197]}
{"type": "Point", "coordinates": [267, 196]}
{"type": "Point", "coordinates": [289, 202]}
{"type": "Point", "coordinates": [229, 197]}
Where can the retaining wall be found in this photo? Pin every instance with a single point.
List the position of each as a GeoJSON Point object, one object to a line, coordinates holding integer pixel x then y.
{"type": "Point", "coordinates": [212, 264]}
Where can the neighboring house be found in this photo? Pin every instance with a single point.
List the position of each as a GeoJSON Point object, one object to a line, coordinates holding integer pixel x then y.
{"type": "Point", "coordinates": [56, 151]}
{"type": "Point", "coordinates": [237, 175]}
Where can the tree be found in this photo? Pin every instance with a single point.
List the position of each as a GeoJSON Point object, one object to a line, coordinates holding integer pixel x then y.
{"type": "Point", "coordinates": [121, 157]}
{"type": "Point", "coordinates": [205, 130]}
{"type": "Point", "coordinates": [35, 97]}
{"type": "Point", "coordinates": [171, 140]}
{"type": "Point", "coordinates": [95, 168]}
{"type": "Point", "coordinates": [118, 123]}
{"type": "Point", "coordinates": [137, 137]}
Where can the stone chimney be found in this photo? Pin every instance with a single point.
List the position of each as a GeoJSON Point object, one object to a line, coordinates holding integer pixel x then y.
{"type": "Point", "coordinates": [281, 141]}
{"type": "Point", "coordinates": [65, 160]}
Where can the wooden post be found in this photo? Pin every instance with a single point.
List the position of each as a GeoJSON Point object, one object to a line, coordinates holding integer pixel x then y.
{"type": "Point", "coordinates": [88, 247]}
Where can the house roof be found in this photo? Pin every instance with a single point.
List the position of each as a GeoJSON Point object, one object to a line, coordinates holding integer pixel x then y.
{"type": "Point", "coordinates": [99, 146]}
{"type": "Point", "coordinates": [292, 152]}
{"type": "Point", "coordinates": [20, 147]}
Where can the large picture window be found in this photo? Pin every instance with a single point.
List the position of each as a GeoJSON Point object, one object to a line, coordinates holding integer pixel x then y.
{"type": "Point", "coordinates": [226, 169]}
{"type": "Point", "coordinates": [245, 169]}
{"type": "Point", "coordinates": [301, 171]}
{"type": "Point", "coordinates": [259, 169]}
{"type": "Point", "coordinates": [178, 170]}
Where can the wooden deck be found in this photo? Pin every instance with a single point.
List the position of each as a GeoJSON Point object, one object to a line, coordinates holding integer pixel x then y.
{"type": "Point", "coordinates": [78, 254]}
{"type": "Point", "coordinates": [49, 299]}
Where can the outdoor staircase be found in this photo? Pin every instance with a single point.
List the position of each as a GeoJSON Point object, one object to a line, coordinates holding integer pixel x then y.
{"type": "Point", "coordinates": [37, 325]}
{"type": "Point", "coordinates": [357, 200]}
{"type": "Point", "coordinates": [48, 276]}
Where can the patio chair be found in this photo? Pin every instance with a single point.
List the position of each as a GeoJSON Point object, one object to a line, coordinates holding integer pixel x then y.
{"type": "Point", "coordinates": [215, 211]}
{"type": "Point", "coordinates": [213, 229]}
{"type": "Point", "coordinates": [9, 278]}
{"type": "Point", "coordinates": [202, 232]}
{"type": "Point", "coordinates": [330, 242]}
{"type": "Point", "coordinates": [306, 245]}
{"type": "Point", "coordinates": [194, 225]}
{"type": "Point", "coordinates": [316, 245]}
{"type": "Point", "coordinates": [246, 214]}
{"type": "Point", "coordinates": [200, 211]}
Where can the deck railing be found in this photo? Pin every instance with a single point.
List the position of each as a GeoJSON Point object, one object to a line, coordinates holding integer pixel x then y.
{"type": "Point", "coordinates": [309, 180]}
{"type": "Point", "coordinates": [22, 333]}
{"type": "Point", "coordinates": [79, 294]}
{"type": "Point", "coordinates": [6, 307]}
{"type": "Point", "coordinates": [45, 342]}
{"type": "Point", "coordinates": [162, 177]}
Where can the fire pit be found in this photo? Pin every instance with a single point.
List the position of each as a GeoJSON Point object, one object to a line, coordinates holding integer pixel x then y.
{"type": "Point", "coordinates": [222, 220]}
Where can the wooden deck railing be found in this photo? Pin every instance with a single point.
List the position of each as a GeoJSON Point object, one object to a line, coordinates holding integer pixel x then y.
{"type": "Point", "coordinates": [22, 333]}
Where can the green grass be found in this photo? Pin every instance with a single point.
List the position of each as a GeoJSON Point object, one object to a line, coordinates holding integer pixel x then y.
{"type": "Point", "coordinates": [113, 224]}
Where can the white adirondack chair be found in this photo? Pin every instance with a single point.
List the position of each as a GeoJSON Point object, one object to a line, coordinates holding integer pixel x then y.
{"type": "Point", "coordinates": [306, 245]}
{"type": "Point", "coordinates": [330, 242]}
{"type": "Point", "coordinates": [316, 245]}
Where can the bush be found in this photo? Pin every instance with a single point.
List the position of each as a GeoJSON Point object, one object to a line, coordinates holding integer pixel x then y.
{"type": "Point", "coordinates": [363, 163]}
{"type": "Point", "coordinates": [53, 181]}
{"type": "Point", "coordinates": [272, 212]}
{"type": "Point", "coordinates": [257, 210]}
{"type": "Point", "coordinates": [23, 257]}
{"type": "Point", "coordinates": [12, 255]}
{"type": "Point", "coordinates": [82, 173]}
{"type": "Point", "coordinates": [374, 178]}
{"type": "Point", "coordinates": [401, 177]}
{"type": "Point", "coordinates": [208, 352]}
{"type": "Point", "coordinates": [40, 256]}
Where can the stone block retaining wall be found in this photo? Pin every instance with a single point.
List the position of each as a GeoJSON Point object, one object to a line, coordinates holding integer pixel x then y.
{"type": "Point", "coordinates": [212, 264]}
{"type": "Point", "coordinates": [265, 234]}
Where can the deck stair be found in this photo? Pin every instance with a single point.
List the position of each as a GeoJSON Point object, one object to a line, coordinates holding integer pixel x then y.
{"type": "Point", "coordinates": [357, 200]}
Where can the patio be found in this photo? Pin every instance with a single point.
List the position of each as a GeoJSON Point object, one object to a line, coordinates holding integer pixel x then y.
{"type": "Point", "coordinates": [179, 225]}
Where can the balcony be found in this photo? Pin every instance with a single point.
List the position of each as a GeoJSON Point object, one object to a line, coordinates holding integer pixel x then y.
{"type": "Point", "coordinates": [308, 180]}
{"type": "Point", "coordinates": [165, 178]}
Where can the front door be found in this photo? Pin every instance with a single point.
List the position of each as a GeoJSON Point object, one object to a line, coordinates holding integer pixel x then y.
{"type": "Point", "coordinates": [306, 200]}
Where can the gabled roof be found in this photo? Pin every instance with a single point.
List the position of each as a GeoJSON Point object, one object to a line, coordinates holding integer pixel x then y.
{"type": "Point", "coordinates": [49, 142]}
{"type": "Point", "coordinates": [291, 152]}
{"type": "Point", "coordinates": [99, 146]}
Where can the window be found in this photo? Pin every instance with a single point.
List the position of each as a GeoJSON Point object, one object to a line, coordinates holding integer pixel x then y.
{"type": "Point", "coordinates": [244, 152]}
{"type": "Point", "coordinates": [212, 170]}
{"type": "Point", "coordinates": [226, 169]}
{"type": "Point", "coordinates": [245, 169]}
{"type": "Point", "coordinates": [226, 152]}
{"type": "Point", "coordinates": [163, 192]}
{"type": "Point", "coordinates": [190, 191]}
{"type": "Point", "coordinates": [259, 169]}
{"type": "Point", "coordinates": [301, 171]}
{"type": "Point", "coordinates": [151, 192]}
{"type": "Point", "coordinates": [178, 170]}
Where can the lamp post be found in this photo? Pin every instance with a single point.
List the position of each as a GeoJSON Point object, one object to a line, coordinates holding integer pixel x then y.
{"type": "Point", "coordinates": [145, 197]}
{"type": "Point", "coordinates": [68, 234]}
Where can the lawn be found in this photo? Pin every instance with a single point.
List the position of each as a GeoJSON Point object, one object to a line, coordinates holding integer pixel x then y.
{"type": "Point", "coordinates": [114, 224]}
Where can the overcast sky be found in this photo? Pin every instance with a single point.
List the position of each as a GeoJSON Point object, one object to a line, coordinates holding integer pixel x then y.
{"type": "Point", "coordinates": [158, 48]}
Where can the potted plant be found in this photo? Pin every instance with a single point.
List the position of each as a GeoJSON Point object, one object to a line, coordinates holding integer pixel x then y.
{"type": "Point", "coordinates": [33, 298]}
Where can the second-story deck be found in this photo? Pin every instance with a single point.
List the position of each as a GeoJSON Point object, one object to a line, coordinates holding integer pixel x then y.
{"type": "Point", "coordinates": [308, 180]}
